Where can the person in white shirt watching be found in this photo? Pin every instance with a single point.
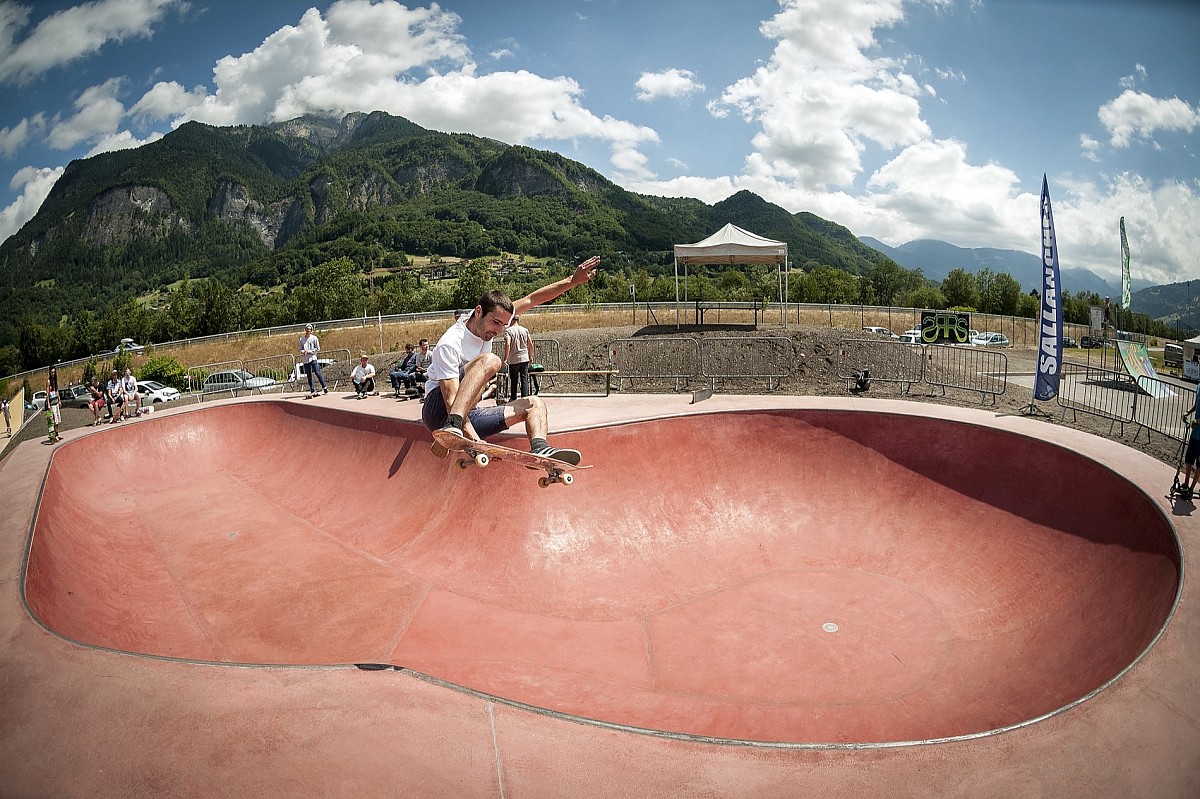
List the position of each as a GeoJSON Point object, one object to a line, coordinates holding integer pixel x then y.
{"type": "Point", "coordinates": [133, 399]}
{"type": "Point", "coordinates": [363, 378]}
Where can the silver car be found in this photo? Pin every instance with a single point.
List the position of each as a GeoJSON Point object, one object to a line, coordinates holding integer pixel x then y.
{"type": "Point", "coordinates": [234, 380]}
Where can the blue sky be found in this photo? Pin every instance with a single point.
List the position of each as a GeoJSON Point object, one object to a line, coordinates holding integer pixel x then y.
{"type": "Point", "coordinates": [900, 119]}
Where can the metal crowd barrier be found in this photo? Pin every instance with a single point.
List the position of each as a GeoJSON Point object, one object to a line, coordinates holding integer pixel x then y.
{"type": "Point", "coordinates": [936, 365]}
{"type": "Point", "coordinates": [1160, 406]}
{"type": "Point", "coordinates": [196, 375]}
{"type": "Point", "coordinates": [629, 357]}
{"type": "Point", "coordinates": [725, 358]}
{"type": "Point", "coordinates": [966, 368]}
{"type": "Point", "coordinates": [888, 361]}
{"type": "Point", "coordinates": [1106, 393]}
{"type": "Point", "coordinates": [280, 368]}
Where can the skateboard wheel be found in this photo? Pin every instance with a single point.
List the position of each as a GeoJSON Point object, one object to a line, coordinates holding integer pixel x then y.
{"type": "Point", "coordinates": [567, 479]}
{"type": "Point", "coordinates": [481, 459]}
{"type": "Point", "coordinates": [544, 482]}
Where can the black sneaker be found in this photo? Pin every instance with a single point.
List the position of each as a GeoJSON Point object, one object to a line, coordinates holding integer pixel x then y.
{"type": "Point", "coordinates": [449, 428]}
{"type": "Point", "coordinates": [571, 456]}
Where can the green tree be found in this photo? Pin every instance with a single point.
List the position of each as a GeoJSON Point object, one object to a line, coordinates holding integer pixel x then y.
{"type": "Point", "coordinates": [164, 369]}
{"type": "Point", "coordinates": [334, 290]}
{"type": "Point", "coordinates": [832, 285]}
{"type": "Point", "coordinates": [889, 280]}
{"type": "Point", "coordinates": [39, 345]}
{"type": "Point", "coordinates": [923, 297]}
{"type": "Point", "coordinates": [960, 290]}
{"type": "Point", "coordinates": [10, 360]}
{"type": "Point", "coordinates": [998, 293]}
{"type": "Point", "coordinates": [474, 278]}
{"type": "Point", "coordinates": [1029, 305]}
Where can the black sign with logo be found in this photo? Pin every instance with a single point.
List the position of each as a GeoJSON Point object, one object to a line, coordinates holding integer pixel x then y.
{"type": "Point", "coordinates": [945, 327]}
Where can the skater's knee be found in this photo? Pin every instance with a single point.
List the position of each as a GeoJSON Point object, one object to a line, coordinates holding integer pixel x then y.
{"type": "Point", "coordinates": [489, 363]}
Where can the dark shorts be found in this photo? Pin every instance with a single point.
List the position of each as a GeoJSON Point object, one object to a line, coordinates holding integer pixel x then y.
{"type": "Point", "coordinates": [487, 421]}
{"type": "Point", "coordinates": [1193, 450]}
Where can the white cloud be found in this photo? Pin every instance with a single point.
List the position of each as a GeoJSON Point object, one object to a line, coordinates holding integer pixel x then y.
{"type": "Point", "coordinates": [98, 114]}
{"type": "Point", "coordinates": [121, 140]}
{"type": "Point", "coordinates": [1129, 81]}
{"type": "Point", "coordinates": [35, 185]}
{"type": "Point", "coordinates": [364, 56]}
{"type": "Point", "coordinates": [1089, 147]}
{"type": "Point", "coordinates": [951, 75]}
{"type": "Point", "coordinates": [73, 33]}
{"type": "Point", "coordinates": [631, 164]}
{"type": "Point", "coordinates": [166, 100]}
{"type": "Point", "coordinates": [673, 83]}
{"type": "Point", "coordinates": [820, 99]}
{"type": "Point", "coordinates": [1139, 115]}
{"type": "Point", "coordinates": [12, 139]}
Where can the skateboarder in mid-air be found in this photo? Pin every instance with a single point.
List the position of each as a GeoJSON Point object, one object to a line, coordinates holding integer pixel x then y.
{"type": "Point", "coordinates": [463, 364]}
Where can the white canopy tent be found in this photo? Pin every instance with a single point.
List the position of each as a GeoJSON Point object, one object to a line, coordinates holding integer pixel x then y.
{"type": "Point", "coordinates": [731, 245]}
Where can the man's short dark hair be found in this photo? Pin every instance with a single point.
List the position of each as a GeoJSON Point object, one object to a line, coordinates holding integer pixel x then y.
{"type": "Point", "coordinates": [495, 299]}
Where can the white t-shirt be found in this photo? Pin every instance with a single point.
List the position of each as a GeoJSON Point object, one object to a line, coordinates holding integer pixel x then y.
{"type": "Point", "coordinates": [361, 372]}
{"type": "Point", "coordinates": [455, 349]}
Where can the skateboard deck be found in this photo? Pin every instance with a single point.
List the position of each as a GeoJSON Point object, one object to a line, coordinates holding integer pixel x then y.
{"type": "Point", "coordinates": [481, 453]}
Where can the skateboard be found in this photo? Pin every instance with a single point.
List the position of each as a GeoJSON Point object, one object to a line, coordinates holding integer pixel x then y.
{"type": "Point", "coordinates": [51, 430]}
{"type": "Point", "coordinates": [481, 453]}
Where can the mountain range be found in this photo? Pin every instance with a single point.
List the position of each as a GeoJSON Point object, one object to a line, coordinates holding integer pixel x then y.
{"type": "Point", "coordinates": [936, 259]}
{"type": "Point", "coordinates": [262, 205]}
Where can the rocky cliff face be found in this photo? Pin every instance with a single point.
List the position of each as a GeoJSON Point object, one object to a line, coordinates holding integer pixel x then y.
{"type": "Point", "coordinates": [401, 160]}
{"type": "Point", "coordinates": [120, 215]}
{"type": "Point", "coordinates": [423, 177]}
{"type": "Point", "coordinates": [274, 224]}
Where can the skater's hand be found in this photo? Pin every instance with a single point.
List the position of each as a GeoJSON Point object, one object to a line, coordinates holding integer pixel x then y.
{"type": "Point", "coordinates": [584, 272]}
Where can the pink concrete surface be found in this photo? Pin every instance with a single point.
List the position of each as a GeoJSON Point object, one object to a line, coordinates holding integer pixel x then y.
{"type": "Point", "coordinates": [982, 582]}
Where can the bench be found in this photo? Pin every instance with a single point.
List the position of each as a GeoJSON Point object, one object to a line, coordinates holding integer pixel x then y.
{"type": "Point", "coordinates": [756, 306]}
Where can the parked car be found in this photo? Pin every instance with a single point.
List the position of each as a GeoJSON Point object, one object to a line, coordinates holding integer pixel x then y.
{"type": "Point", "coordinates": [990, 340]}
{"type": "Point", "coordinates": [234, 380]}
{"type": "Point", "coordinates": [910, 338]}
{"type": "Point", "coordinates": [154, 392]}
{"type": "Point", "coordinates": [1088, 342]}
{"type": "Point", "coordinates": [1068, 341]}
{"type": "Point", "coordinates": [130, 346]}
{"type": "Point", "coordinates": [39, 400]}
{"type": "Point", "coordinates": [76, 397]}
{"type": "Point", "coordinates": [298, 371]}
{"type": "Point", "coordinates": [882, 331]}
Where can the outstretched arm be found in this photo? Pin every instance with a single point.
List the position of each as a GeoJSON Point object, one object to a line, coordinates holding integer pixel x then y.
{"type": "Point", "coordinates": [583, 273]}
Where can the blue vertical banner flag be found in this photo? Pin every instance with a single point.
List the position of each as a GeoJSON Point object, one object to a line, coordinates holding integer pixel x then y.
{"type": "Point", "coordinates": [1049, 359]}
{"type": "Point", "coordinates": [1124, 267]}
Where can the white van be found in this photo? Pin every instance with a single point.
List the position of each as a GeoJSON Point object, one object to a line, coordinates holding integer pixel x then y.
{"type": "Point", "coordinates": [1172, 355]}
